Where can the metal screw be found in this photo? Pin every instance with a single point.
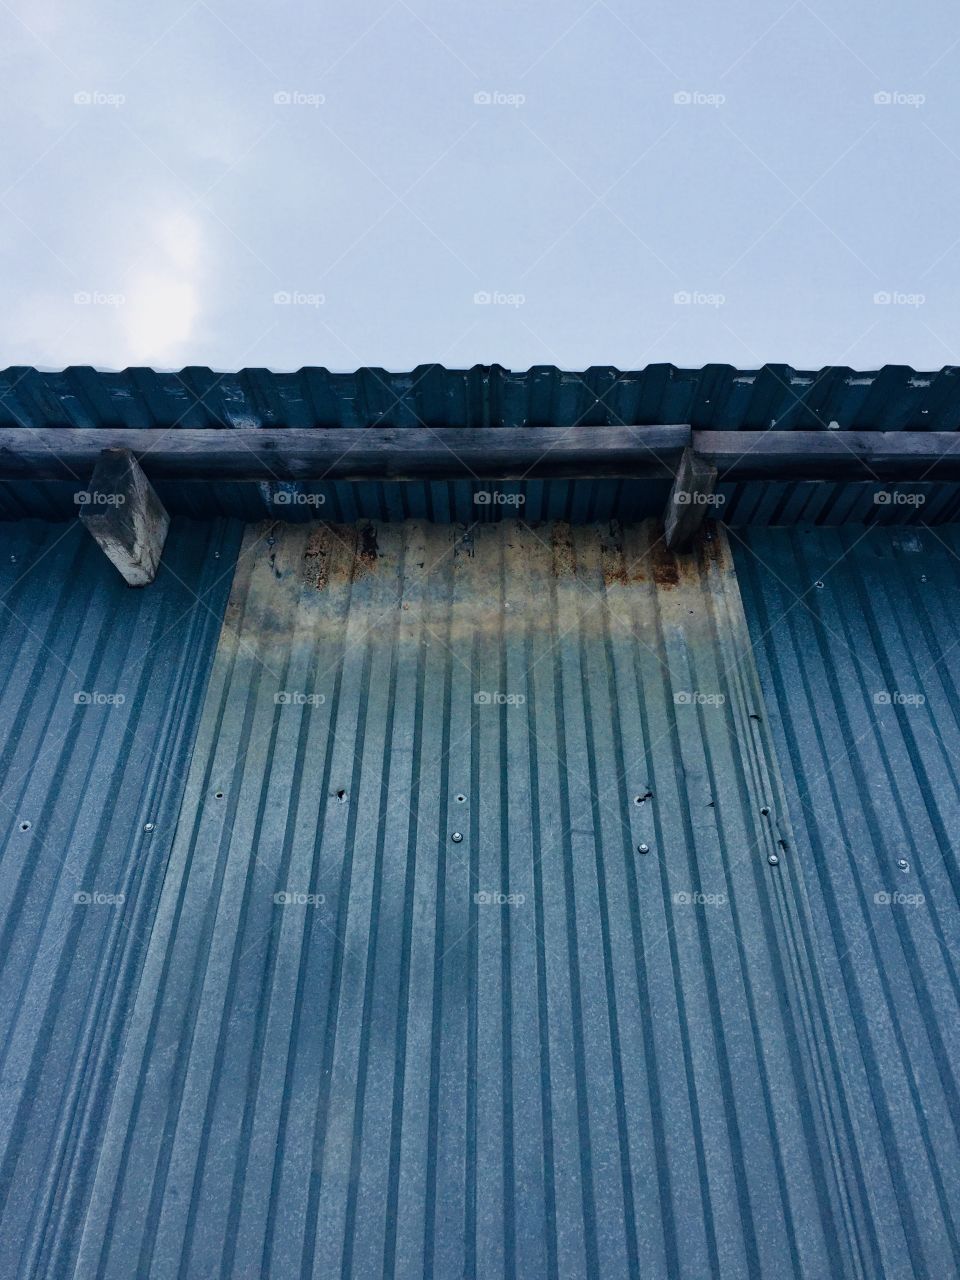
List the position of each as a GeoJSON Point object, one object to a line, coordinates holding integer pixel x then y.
{"type": "Point", "coordinates": [24, 826]}
{"type": "Point", "coordinates": [457, 837]}
{"type": "Point", "coordinates": [923, 577]}
{"type": "Point", "coordinates": [819, 585]}
{"type": "Point", "coordinates": [643, 848]}
{"type": "Point", "coordinates": [148, 827]}
{"type": "Point", "coordinates": [13, 559]}
{"type": "Point", "coordinates": [903, 864]}
{"type": "Point", "coordinates": [773, 860]}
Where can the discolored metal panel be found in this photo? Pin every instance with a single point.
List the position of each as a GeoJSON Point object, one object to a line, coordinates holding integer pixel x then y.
{"type": "Point", "coordinates": [482, 947]}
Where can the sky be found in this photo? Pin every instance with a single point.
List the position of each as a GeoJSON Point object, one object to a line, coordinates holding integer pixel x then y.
{"type": "Point", "coordinates": [397, 182]}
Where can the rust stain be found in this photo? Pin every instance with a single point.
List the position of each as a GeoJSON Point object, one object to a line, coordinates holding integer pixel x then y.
{"type": "Point", "coordinates": [564, 560]}
{"type": "Point", "coordinates": [316, 557]}
{"type": "Point", "coordinates": [666, 570]}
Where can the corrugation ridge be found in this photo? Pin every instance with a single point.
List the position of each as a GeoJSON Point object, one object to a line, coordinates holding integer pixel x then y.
{"type": "Point", "coordinates": [741, 678]}
{"type": "Point", "coordinates": [583, 1121]}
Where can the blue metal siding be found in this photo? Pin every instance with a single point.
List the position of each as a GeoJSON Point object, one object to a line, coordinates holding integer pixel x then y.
{"type": "Point", "coordinates": [610, 1077]}
{"type": "Point", "coordinates": [78, 783]}
{"type": "Point", "coordinates": [717, 396]}
{"type": "Point", "coordinates": [862, 682]}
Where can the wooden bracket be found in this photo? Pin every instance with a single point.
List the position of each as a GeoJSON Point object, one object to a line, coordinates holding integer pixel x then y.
{"type": "Point", "coordinates": [125, 516]}
{"type": "Point", "coordinates": [689, 499]}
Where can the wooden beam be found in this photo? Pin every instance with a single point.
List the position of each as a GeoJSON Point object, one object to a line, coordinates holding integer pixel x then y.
{"type": "Point", "coordinates": [831, 455]}
{"type": "Point", "coordinates": [482, 453]}
{"type": "Point", "coordinates": [125, 516]}
{"type": "Point", "coordinates": [70, 453]}
{"type": "Point", "coordinates": [689, 500]}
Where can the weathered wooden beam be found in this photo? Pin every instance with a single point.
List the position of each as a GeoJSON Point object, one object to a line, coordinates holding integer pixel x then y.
{"type": "Point", "coordinates": [689, 500]}
{"type": "Point", "coordinates": [831, 455]}
{"type": "Point", "coordinates": [125, 516]}
{"type": "Point", "coordinates": [483, 453]}
{"type": "Point", "coordinates": [64, 453]}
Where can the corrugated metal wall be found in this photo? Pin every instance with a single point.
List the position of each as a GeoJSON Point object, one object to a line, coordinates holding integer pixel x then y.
{"type": "Point", "coordinates": [857, 643]}
{"type": "Point", "coordinates": [100, 693]}
{"type": "Point", "coordinates": [363, 1046]}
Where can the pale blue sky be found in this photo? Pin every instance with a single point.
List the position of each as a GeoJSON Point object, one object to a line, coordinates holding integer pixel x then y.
{"type": "Point", "coordinates": [173, 172]}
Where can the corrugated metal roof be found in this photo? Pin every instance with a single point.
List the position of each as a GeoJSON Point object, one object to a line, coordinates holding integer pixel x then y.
{"type": "Point", "coordinates": [890, 399]}
{"type": "Point", "coordinates": [535, 1050]}
{"type": "Point", "coordinates": [100, 693]}
{"type": "Point", "coordinates": [862, 681]}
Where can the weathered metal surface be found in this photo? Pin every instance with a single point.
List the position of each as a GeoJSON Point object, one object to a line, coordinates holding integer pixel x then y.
{"type": "Point", "coordinates": [890, 399]}
{"type": "Point", "coordinates": [482, 948]}
{"type": "Point", "coordinates": [715, 397]}
{"type": "Point", "coordinates": [100, 694]}
{"type": "Point", "coordinates": [858, 648]}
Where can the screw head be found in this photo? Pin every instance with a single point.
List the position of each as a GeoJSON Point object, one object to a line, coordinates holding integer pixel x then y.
{"type": "Point", "coordinates": [818, 585]}
{"type": "Point", "coordinates": [148, 827]}
{"type": "Point", "coordinates": [643, 848]}
{"type": "Point", "coordinates": [773, 860]}
{"type": "Point", "coordinates": [457, 837]}
{"type": "Point", "coordinates": [903, 864]}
